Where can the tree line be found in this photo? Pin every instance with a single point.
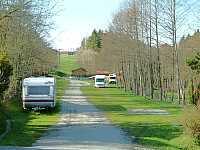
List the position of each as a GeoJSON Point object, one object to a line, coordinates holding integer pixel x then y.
{"type": "Point", "coordinates": [148, 46]}
{"type": "Point", "coordinates": [24, 48]}
{"type": "Point", "coordinates": [93, 41]}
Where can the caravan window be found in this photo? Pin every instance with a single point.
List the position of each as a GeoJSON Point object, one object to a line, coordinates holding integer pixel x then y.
{"type": "Point", "coordinates": [99, 80]}
{"type": "Point", "coordinates": [38, 90]}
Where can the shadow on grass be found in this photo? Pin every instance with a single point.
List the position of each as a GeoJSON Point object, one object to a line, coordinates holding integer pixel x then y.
{"type": "Point", "coordinates": [153, 134]}
{"type": "Point", "coordinates": [111, 87]}
{"type": "Point", "coordinates": [24, 136]}
{"type": "Point", "coordinates": [24, 130]}
{"type": "Point", "coordinates": [3, 118]}
{"type": "Point", "coordinates": [111, 107]}
{"type": "Point", "coordinates": [103, 94]}
{"type": "Point", "coordinates": [158, 144]}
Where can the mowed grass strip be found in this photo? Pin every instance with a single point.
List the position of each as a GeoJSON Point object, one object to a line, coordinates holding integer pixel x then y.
{"type": "Point", "coordinates": [68, 63]}
{"type": "Point", "coordinates": [28, 126]}
{"type": "Point", "coordinates": [154, 131]}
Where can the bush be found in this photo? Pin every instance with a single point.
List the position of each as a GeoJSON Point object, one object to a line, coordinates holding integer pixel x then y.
{"type": "Point", "coordinates": [191, 122]}
{"type": "Point", "coordinates": [2, 120]}
{"type": "Point", "coordinates": [5, 72]}
{"type": "Point", "coordinates": [60, 73]}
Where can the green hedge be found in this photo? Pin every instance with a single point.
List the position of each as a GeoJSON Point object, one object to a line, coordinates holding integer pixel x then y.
{"type": "Point", "coordinates": [58, 73]}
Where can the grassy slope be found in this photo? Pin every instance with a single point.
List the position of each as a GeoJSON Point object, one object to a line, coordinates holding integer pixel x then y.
{"type": "Point", "coordinates": [28, 126]}
{"type": "Point", "coordinates": [67, 63]}
{"type": "Point", "coordinates": [157, 131]}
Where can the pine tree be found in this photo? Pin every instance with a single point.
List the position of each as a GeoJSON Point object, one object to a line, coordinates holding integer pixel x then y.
{"type": "Point", "coordinates": [83, 43]}
{"type": "Point", "coordinates": [194, 63]}
{"type": "Point", "coordinates": [99, 39]}
{"type": "Point", "coordinates": [95, 40]}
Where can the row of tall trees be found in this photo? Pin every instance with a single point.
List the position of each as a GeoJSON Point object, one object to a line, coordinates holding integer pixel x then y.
{"type": "Point", "coordinates": [24, 28]}
{"type": "Point", "coordinates": [93, 41]}
{"type": "Point", "coordinates": [144, 46]}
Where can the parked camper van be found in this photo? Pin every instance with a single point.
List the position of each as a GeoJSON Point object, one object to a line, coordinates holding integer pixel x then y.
{"type": "Point", "coordinates": [100, 81]}
{"type": "Point", "coordinates": [112, 78]}
{"type": "Point", "coordinates": [38, 92]}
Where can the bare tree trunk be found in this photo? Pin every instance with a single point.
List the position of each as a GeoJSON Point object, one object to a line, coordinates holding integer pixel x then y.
{"type": "Point", "coordinates": [176, 49]}
{"type": "Point", "coordinates": [150, 53]}
{"type": "Point", "coordinates": [123, 72]}
{"type": "Point", "coordinates": [182, 91]}
{"type": "Point", "coordinates": [192, 91]}
{"type": "Point", "coordinates": [158, 50]}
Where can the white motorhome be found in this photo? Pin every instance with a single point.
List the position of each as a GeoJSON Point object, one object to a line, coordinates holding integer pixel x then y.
{"type": "Point", "coordinates": [100, 81]}
{"type": "Point", "coordinates": [112, 78]}
{"type": "Point", "coordinates": [39, 92]}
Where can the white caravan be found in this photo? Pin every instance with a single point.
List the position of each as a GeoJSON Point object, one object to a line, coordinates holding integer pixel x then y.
{"type": "Point", "coordinates": [100, 81]}
{"type": "Point", "coordinates": [112, 78]}
{"type": "Point", "coordinates": [39, 92]}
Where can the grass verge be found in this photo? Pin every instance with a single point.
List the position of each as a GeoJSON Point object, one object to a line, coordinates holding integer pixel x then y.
{"type": "Point", "coordinates": [162, 132]}
{"type": "Point", "coordinates": [28, 126]}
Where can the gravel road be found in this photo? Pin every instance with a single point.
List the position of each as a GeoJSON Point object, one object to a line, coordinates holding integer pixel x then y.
{"type": "Point", "coordinates": [82, 127]}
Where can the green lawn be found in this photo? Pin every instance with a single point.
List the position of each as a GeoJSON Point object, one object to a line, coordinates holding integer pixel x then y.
{"type": "Point", "coordinates": [28, 126]}
{"type": "Point", "coordinates": [156, 131]}
{"type": "Point", "coordinates": [68, 63]}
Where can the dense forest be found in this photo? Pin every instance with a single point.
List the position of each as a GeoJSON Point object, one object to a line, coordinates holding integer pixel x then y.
{"type": "Point", "coordinates": [147, 47]}
{"type": "Point", "coordinates": [24, 49]}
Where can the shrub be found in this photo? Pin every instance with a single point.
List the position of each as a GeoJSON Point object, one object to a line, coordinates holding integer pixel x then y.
{"type": "Point", "coordinates": [2, 120]}
{"type": "Point", "coordinates": [191, 122]}
{"type": "Point", "coordinates": [5, 72]}
{"type": "Point", "coordinates": [60, 73]}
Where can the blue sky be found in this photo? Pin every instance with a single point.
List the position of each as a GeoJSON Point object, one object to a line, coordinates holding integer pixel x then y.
{"type": "Point", "coordinates": [78, 18]}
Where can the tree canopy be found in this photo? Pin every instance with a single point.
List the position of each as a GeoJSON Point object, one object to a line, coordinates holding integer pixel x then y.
{"type": "Point", "coordinates": [94, 41]}
{"type": "Point", "coordinates": [24, 28]}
